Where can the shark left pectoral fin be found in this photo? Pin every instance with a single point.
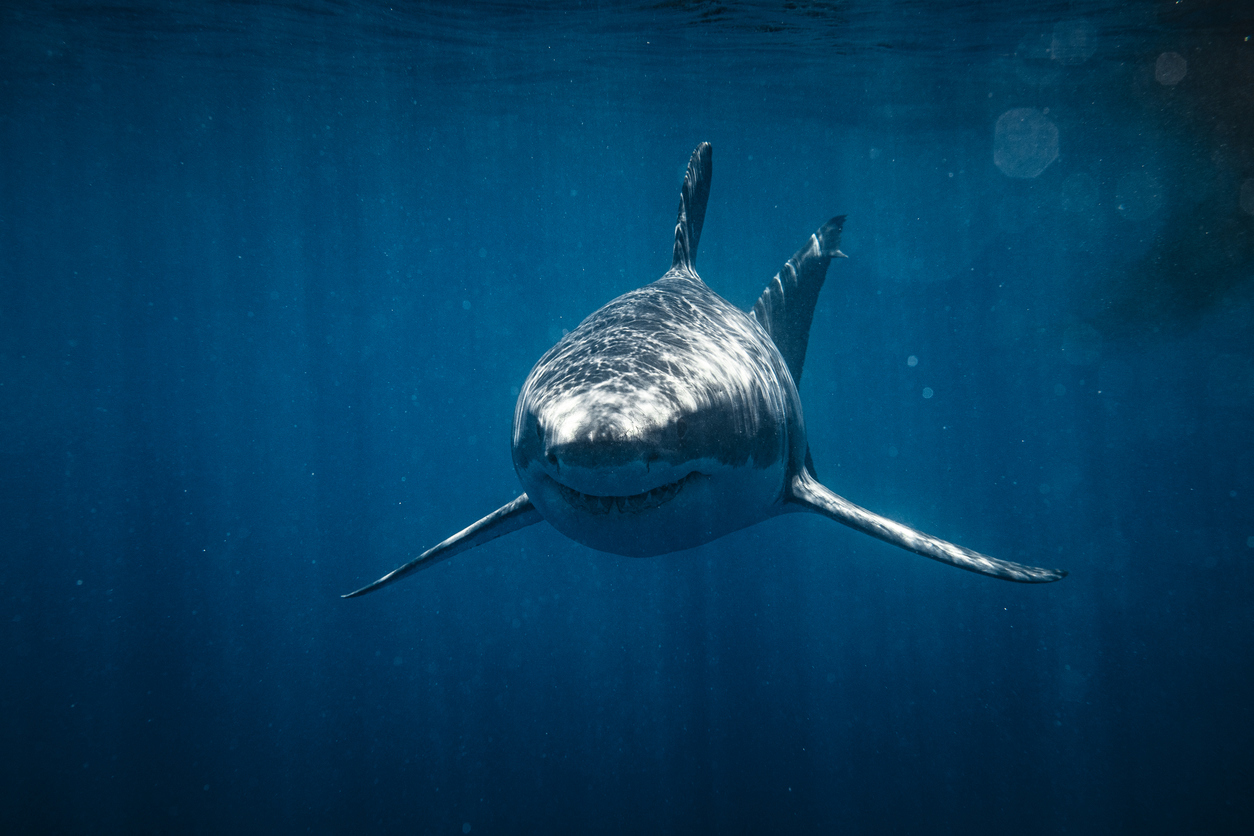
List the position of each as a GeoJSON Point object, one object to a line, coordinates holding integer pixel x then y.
{"type": "Point", "coordinates": [805, 491]}
{"type": "Point", "coordinates": [504, 520]}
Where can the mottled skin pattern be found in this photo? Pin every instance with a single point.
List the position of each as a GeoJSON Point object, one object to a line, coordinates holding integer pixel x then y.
{"type": "Point", "coordinates": [663, 382]}
{"type": "Point", "coordinates": [670, 418]}
{"type": "Point", "coordinates": [671, 351]}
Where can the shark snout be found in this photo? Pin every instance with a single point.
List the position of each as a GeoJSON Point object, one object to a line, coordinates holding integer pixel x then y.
{"type": "Point", "coordinates": [608, 461]}
{"type": "Point", "coordinates": [607, 458]}
{"type": "Point", "coordinates": [602, 447]}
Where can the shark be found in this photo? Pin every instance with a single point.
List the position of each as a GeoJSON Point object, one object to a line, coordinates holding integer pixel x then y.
{"type": "Point", "coordinates": [670, 418]}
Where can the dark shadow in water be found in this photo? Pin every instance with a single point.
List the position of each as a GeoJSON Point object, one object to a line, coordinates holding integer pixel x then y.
{"type": "Point", "coordinates": [1206, 249]}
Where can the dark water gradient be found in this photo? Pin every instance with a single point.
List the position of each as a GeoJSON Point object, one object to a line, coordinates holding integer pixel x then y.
{"type": "Point", "coordinates": [269, 279]}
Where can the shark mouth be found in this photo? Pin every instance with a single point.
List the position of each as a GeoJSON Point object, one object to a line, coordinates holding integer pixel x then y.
{"type": "Point", "coordinates": [634, 504]}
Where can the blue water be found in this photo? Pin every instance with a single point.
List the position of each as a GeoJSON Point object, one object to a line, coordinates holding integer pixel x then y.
{"type": "Point", "coordinates": [270, 278]}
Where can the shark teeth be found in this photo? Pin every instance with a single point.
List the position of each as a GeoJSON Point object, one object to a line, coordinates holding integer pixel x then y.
{"type": "Point", "coordinates": [634, 504]}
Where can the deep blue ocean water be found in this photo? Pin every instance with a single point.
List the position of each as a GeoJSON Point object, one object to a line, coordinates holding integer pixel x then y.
{"type": "Point", "coordinates": [271, 276]}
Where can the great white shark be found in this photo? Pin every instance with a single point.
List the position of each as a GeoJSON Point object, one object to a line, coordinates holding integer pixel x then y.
{"type": "Point", "coordinates": [670, 418]}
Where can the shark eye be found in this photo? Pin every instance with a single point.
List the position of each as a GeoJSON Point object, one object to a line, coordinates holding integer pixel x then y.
{"type": "Point", "coordinates": [681, 428]}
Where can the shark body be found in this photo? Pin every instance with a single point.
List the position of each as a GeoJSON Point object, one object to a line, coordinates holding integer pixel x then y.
{"type": "Point", "coordinates": [670, 418]}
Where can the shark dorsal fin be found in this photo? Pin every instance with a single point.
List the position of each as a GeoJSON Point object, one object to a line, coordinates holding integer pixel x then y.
{"type": "Point", "coordinates": [692, 209]}
{"type": "Point", "coordinates": [786, 307]}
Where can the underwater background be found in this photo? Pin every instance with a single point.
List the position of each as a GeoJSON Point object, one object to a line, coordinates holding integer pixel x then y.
{"type": "Point", "coordinates": [272, 274]}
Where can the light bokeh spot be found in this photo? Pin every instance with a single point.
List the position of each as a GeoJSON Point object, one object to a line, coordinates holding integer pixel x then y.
{"type": "Point", "coordinates": [1138, 195]}
{"type": "Point", "coordinates": [1025, 142]}
{"type": "Point", "coordinates": [1170, 69]}
{"type": "Point", "coordinates": [1079, 192]}
{"type": "Point", "coordinates": [1081, 344]}
{"type": "Point", "coordinates": [1247, 196]}
{"type": "Point", "coordinates": [1074, 41]}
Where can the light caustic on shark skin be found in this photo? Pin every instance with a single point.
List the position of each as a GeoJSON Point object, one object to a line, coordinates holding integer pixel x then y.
{"type": "Point", "coordinates": [670, 418]}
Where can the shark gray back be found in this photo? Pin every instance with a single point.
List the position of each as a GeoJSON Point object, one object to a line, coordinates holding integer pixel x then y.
{"type": "Point", "coordinates": [670, 418]}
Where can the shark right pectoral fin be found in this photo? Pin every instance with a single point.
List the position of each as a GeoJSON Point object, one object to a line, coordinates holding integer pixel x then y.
{"type": "Point", "coordinates": [508, 518]}
{"type": "Point", "coordinates": [812, 496]}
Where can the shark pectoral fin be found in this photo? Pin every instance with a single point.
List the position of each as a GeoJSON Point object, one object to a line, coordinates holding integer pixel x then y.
{"type": "Point", "coordinates": [812, 496]}
{"type": "Point", "coordinates": [508, 518]}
